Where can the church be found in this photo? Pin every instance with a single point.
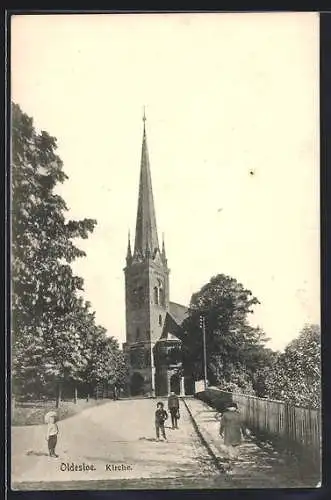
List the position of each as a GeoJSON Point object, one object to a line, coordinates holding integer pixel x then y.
{"type": "Point", "coordinates": [153, 322]}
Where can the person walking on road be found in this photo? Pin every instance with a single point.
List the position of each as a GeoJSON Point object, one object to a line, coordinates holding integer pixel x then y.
{"type": "Point", "coordinates": [173, 407]}
{"type": "Point", "coordinates": [232, 429]}
{"type": "Point", "coordinates": [160, 417]}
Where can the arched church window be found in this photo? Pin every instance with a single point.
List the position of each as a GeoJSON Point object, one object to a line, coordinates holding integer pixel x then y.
{"type": "Point", "coordinates": [160, 320]}
{"type": "Point", "coordinates": [161, 294]}
{"type": "Point", "coordinates": [156, 295]}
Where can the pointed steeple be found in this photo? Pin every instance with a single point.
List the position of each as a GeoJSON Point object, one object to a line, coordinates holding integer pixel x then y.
{"type": "Point", "coordinates": [163, 250]}
{"type": "Point", "coordinates": [129, 253]}
{"type": "Point", "coordinates": [146, 239]}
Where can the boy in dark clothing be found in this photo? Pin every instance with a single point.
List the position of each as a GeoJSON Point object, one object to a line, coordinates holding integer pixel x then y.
{"type": "Point", "coordinates": [173, 406]}
{"type": "Point", "coordinates": [160, 417]}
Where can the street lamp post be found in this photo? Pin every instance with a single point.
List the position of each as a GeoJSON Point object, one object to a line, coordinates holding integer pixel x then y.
{"type": "Point", "coordinates": [203, 328]}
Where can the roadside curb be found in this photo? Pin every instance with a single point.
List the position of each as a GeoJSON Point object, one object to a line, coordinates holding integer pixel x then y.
{"type": "Point", "coordinates": [212, 450]}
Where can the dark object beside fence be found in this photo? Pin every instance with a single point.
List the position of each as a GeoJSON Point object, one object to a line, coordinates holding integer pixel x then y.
{"type": "Point", "coordinates": [293, 428]}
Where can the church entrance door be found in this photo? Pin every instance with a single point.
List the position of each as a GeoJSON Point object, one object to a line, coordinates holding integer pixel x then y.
{"type": "Point", "coordinates": [137, 385]}
{"type": "Point", "coordinates": [175, 384]}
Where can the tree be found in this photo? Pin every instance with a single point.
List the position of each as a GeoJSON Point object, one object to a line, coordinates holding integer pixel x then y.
{"type": "Point", "coordinates": [122, 370]}
{"type": "Point", "coordinates": [106, 364]}
{"type": "Point", "coordinates": [296, 373]}
{"type": "Point", "coordinates": [234, 348]}
{"type": "Point", "coordinates": [46, 309]}
{"type": "Point", "coordinates": [55, 338]}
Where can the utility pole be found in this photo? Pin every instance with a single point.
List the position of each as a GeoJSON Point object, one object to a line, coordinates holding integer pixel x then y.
{"type": "Point", "coordinates": [152, 361]}
{"type": "Point", "coordinates": [203, 327]}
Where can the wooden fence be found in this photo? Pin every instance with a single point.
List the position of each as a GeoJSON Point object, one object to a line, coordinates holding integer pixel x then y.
{"type": "Point", "coordinates": [293, 428]}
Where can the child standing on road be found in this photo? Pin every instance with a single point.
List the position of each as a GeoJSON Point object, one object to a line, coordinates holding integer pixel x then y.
{"type": "Point", "coordinates": [160, 417]}
{"type": "Point", "coordinates": [51, 435]}
{"type": "Point", "coordinates": [173, 407]}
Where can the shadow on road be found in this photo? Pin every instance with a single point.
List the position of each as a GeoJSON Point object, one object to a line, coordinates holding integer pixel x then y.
{"type": "Point", "coordinates": [37, 453]}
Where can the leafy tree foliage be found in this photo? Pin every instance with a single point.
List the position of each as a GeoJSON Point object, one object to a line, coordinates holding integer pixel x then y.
{"type": "Point", "coordinates": [54, 335]}
{"type": "Point", "coordinates": [237, 356]}
{"type": "Point", "coordinates": [234, 348]}
{"type": "Point", "coordinates": [105, 362]}
{"type": "Point", "coordinates": [296, 373]}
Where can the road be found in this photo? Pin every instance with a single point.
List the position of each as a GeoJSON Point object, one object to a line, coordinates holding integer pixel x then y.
{"type": "Point", "coordinates": [117, 441]}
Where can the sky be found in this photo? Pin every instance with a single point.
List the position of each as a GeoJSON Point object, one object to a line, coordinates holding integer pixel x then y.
{"type": "Point", "coordinates": [232, 107]}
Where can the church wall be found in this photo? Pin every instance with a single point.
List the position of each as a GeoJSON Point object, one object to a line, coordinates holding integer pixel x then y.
{"type": "Point", "coordinates": [147, 384]}
{"type": "Point", "coordinates": [137, 308]}
{"type": "Point", "coordinates": [138, 329]}
{"type": "Point", "coordinates": [161, 379]}
{"type": "Point", "coordinates": [158, 276]}
{"type": "Point", "coordinates": [140, 360]}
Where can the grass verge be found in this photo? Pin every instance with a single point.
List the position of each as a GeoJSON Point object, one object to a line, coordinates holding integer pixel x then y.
{"type": "Point", "coordinates": [33, 412]}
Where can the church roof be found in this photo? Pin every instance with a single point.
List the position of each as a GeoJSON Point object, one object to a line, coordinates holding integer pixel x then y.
{"type": "Point", "coordinates": [170, 327]}
{"type": "Point", "coordinates": [166, 336]}
{"type": "Point", "coordinates": [146, 231]}
{"type": "Point", "coordinates": [178, 312]}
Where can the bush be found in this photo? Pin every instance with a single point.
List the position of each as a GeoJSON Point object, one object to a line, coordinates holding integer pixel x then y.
{"type": "Point", "coordinates": [215, 398]}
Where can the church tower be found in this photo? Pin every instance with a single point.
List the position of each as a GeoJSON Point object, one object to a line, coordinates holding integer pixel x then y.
{"type": "Point", "coordinates": [146, 286]}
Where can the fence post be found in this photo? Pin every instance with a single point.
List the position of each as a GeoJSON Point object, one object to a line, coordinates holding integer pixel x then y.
{"type": "Point", "coordinates": [287, 425]}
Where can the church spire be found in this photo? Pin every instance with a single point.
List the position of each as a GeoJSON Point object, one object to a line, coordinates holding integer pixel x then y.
{"type": "Point", "coordinates": [163, 249]}
{"type": "Point", "coordinates": [146, 239]}
{"type": "Point", "coordinates": [129, 253]}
